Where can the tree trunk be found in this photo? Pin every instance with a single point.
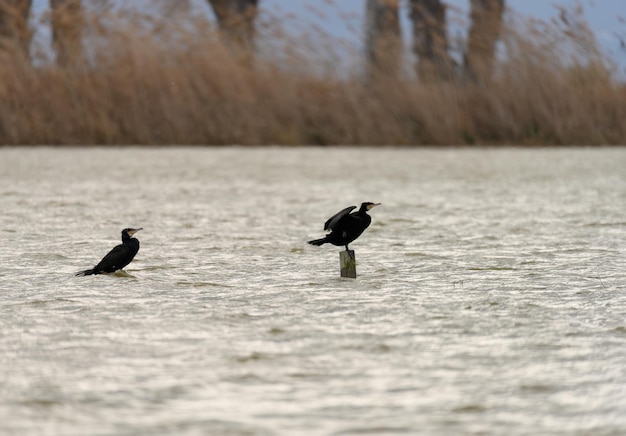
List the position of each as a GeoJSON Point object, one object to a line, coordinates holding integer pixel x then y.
{"type": "Point", "coordinates": [178, 8]}
{"type": "Point", "coordinates": [236, 19]}
{"type": "Point", "coordinates": [67, 28]}
{"type": "Point", "coordinates": [483, 36]}
{"type": "Point", "coordinates": [430, 42]}
{"type": "Point", "coordinates": [15, 33]}
{"type": "Point", "coordinates": [383, 38]}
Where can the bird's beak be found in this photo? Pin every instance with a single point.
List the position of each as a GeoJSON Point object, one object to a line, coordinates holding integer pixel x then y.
{"type": "Point", "coordinates": [371, 206]}
{"type": "Point", "coordinates": [133, 231]}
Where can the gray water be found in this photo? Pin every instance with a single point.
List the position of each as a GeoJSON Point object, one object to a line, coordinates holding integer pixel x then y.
{"type": "Point", "coordinates": [490, 298]}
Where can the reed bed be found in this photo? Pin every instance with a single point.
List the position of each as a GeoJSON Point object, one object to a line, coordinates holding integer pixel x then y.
{"type": "Point", "coordinates": [142, 84]}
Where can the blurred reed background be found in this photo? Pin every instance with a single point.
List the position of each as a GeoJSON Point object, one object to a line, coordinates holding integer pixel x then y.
{"type": "Point", "coordinates": [141, 79]}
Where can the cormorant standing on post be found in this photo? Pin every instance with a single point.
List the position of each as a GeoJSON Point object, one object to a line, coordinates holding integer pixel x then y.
{"type": "Point", "coordinates": [117, 258]}
{"type": "Point", "coordinates": [345, 227]}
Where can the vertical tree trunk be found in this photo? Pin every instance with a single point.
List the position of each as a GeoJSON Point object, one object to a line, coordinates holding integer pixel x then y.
{"type": "Point", "coordinates": [15, 34]}
{"type": "Point", "coordinates": [430, 42]}
{"type": "Point", "coordinates": [483, 36]}
{"type": "Point", "coordinates": [67, 28]}
{"type": "Point", "coordinates": [236, 19]}
{"type": "Point", "coordinates": [177, 8]}
{"type": "Point", "coordinates": [383, 38]}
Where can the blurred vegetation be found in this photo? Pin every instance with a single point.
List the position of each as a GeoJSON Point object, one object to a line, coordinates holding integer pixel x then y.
{"type": "Point", "coordinates": [136, 79]}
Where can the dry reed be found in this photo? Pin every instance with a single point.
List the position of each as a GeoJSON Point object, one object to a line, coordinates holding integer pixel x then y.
{"type": "Point", "coordinates": [182, 85]}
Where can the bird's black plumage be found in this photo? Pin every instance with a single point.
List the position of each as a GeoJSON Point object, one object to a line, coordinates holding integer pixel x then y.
{"type": "Point", "coordinates": [117, 258]}
{"type": "Point", "coordinates": [344, 227]}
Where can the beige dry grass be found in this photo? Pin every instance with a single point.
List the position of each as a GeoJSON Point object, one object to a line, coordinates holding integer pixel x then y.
{"type": "Point", "coordinates": [181, 85]}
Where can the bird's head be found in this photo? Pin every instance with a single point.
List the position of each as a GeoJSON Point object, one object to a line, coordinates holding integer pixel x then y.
{"type": "Point", "coordinates": [368, 205]}
{"type": "Point", "coordinates": [130, 232]}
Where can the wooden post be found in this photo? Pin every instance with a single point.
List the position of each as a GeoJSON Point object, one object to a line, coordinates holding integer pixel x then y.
{"type": "Point", "coordinates": [347, 263]}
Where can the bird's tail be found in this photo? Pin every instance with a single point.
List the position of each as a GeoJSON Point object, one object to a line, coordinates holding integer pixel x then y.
{"type": "Point", "coordinates": [318, 242]}
{"type": "Point", "coordinates": [87, 272]}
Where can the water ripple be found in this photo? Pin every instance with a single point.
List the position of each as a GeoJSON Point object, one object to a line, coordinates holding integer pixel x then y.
{"type": "Point", "coordinates": [490, 296]}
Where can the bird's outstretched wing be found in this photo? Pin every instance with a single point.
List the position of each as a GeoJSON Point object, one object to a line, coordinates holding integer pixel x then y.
{"type": "Point", "coordinates": [115, 258]}
{"type": "Point", "coordinates": [333, 220]}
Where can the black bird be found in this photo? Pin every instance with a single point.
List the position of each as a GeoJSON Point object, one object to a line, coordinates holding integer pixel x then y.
{"type": "Point", "coordinates": [117, 258]}
{"type": "Point", "coordinates": [344, 227]}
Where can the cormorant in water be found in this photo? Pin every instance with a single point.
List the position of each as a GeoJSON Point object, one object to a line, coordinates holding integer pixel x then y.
{"type": "Point", "coordinates": [117, 258]}
{"type": "Point", "coordinates": [345, 227]}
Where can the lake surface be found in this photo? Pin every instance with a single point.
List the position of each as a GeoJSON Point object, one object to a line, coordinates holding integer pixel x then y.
{"type": "Point", "coordinates": [490, 298]}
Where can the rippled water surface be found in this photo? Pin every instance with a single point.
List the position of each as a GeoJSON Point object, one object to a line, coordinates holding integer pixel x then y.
{"type": "Point", "coordinates": [490, 296]}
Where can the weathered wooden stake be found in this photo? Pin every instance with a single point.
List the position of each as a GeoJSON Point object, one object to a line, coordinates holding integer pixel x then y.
{"type": "Point", "coordinates": [347, 263]}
